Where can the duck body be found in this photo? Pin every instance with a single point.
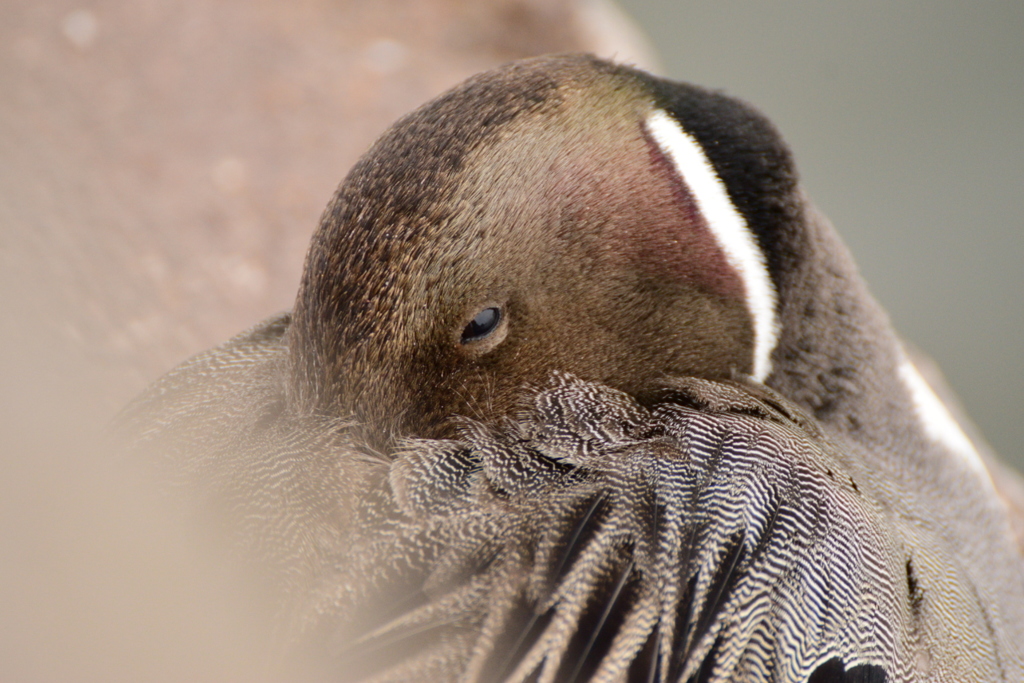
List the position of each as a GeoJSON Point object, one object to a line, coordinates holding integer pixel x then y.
{"type": "Point", "coordinates": [579, 374]}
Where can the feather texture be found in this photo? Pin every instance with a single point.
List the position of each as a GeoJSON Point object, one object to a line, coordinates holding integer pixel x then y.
{"type": "Point", "coordinates": [713, 534]}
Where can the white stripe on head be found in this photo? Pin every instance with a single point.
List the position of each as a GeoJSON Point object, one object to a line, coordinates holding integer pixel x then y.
{"type": "Point", "coordinates": [729, 228]}
{"type": "Point", "coordinates": [938, 423]}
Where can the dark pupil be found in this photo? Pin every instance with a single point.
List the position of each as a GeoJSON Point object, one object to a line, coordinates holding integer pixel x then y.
{"type": "Point", "coordinates": [482, 325]}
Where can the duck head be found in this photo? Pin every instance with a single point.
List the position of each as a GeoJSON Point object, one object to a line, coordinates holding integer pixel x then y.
{"type": "Point", "coordinates": [561, 213]}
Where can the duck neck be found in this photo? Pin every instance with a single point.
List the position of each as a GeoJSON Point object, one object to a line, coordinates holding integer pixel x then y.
{"type": "Point", "coordinates": [837, 355]}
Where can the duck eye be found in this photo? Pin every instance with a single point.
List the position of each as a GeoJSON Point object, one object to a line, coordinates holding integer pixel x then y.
{"type": "Point", "coordinates": [485, 322]}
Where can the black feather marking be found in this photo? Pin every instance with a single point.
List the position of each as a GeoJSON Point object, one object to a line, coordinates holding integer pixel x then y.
{"type": "Point", "coordinates": [533, 676]}
{"type": "Point", "coordinates": [866, 673]}
{"type": "Point", "coordinates": [476, 563]}
{"type": "Point", "coordinates": [603, 630]}
{"type": "Point", "coordinates": [684, 612]}
{"type": "Point", "coordinates": [529, 625]}
{"type": "Point", "coordinates": [526, 622]}
{"type": "Point", "coordinates": [584, 529]}
{"type": "Point", "coordinates": [721, 585]}
{"type": "Point", "coordinates": [707, 665]}
{"type": "Point", "coordinates": [645, 666]}
{"type": "Point", "coordinates": [915, 594]}
{"type": "Point", "coordinates": [834, 671]}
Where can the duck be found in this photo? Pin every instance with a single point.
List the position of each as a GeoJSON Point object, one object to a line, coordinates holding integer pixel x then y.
{"type": "Point", "coordinates": [579, 385]}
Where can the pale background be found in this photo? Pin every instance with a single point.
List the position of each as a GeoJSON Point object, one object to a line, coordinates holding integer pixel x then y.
{"type": "Point", "coordinates": [907, 120]}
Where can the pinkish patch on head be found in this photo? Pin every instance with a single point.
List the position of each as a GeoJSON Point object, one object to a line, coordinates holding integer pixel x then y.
{"type": "Point", "coordinates": [680, 244]}
{"type": "Point", "coordinates": [647, 214]}
{"type": "Point", "coordinates": [728, 227]}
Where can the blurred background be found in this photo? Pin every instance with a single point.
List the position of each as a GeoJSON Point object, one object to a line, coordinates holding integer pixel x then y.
{"type": "Point", "coordinates": [907, 121]}
{"type": "Point", "coordinates": [163, 164]}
